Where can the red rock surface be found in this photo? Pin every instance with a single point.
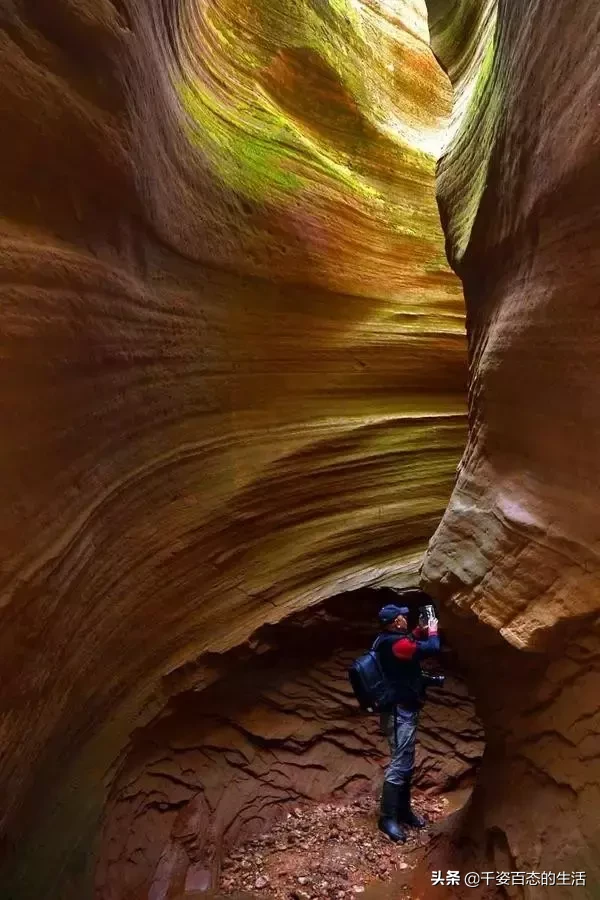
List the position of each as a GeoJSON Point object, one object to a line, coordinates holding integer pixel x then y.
{"type": "Point", "coordinates": [233, 374]}
{"type": "Point", "coordinates": [516, 555]}
{"type": "Point", "coordinates": [327, 851]}
{"type": "Point", "coordinates": [223, 763]}
{"type": "Point", "coordinates": [233, 360]}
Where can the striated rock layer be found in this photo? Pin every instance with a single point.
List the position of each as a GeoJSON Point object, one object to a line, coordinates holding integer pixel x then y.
{"type": "Point", "coordinates": [232, 359]}
{"type": "Point", "coordinates": [280, 727]}
{"type": "Point", "coordinates": [516, 555]}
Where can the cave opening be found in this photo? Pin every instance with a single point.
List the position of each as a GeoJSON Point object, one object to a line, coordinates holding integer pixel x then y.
{"type": "Point", "coordinates": [268, 731]}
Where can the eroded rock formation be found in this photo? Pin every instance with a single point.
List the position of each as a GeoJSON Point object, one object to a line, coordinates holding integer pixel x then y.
{"type": "Point", "coordinates": [516, 556]}
{"type": "Point", "coordinates": [232, 387]}
{"type": "Point", "coordinates": [281, 726]}
{"type": "Point", "coordinates": [232, 359]}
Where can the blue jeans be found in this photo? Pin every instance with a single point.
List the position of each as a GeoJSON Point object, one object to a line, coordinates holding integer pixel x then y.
{"type": "Point", "coordinates": [400, 727]}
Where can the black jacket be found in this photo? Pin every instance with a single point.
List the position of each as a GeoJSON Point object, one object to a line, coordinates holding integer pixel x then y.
{"type": "Point", "coordinates": [400, 655]}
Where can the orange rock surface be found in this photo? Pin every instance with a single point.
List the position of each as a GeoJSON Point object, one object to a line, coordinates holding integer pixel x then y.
{"type": "Point", "coordinates": [277, 727]}
{"type": "Point", "coordinates": [232, 355]}
{"type": "Point", "coordinates": [516, 555]}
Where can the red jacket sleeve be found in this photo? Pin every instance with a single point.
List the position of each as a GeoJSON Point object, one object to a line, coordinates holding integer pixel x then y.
{"type": "Point", "coordinates": [404, 648]}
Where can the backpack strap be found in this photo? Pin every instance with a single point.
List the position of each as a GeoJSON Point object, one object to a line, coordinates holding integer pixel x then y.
{"type": "Point", "coordinates": [377, 641]}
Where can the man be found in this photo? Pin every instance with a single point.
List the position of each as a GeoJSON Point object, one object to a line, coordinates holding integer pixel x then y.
{"type": "Point", "coordinates": [400, 653]}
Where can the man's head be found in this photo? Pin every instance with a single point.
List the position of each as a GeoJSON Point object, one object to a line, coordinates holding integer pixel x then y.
{"type": "Point", "coordinates": [394, 618]}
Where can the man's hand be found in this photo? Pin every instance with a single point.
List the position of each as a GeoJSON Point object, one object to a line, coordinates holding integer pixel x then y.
{"type": "Point", "coordinates": [420, 646]}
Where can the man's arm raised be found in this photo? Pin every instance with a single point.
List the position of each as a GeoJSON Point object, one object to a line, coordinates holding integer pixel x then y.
{"type": "Point", "coordinates": [405, 648]}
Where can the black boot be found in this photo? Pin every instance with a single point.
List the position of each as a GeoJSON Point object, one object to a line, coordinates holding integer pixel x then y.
{"type": "Point", "coordinates": [405, 814]}
{"type": "Point", "coordinates": [388, 817]}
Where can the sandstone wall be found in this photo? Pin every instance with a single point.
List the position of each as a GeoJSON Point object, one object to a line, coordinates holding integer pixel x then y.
{"type": "Point", "coordinates": [516, 555]}
{"type": "Point", "coordinates": [232, 358]}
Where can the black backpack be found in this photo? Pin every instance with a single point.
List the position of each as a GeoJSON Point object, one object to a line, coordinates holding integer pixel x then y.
{"type": "Point", "coordinates": [371, 687]}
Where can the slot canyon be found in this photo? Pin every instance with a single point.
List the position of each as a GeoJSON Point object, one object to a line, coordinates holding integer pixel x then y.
{"type": "Point", "coordinates": [298, 312]}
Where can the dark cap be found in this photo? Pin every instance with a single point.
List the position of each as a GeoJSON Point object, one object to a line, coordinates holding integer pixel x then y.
{"type": "Point", "coordinates": [388, 613]}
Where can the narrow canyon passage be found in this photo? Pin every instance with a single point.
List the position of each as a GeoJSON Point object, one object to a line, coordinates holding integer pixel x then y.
{"type": "Point", "coordinates": [298, 307]}
{"type": "Point", "coordinates": [234, 362]}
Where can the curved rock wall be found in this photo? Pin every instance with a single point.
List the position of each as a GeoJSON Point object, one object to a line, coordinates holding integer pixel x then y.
{"type": "Point", "coordinates": [516, 555]}
{"type": "Point", "coordinates": [232, 358]}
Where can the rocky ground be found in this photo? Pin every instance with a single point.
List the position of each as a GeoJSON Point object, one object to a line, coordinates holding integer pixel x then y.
{"type": "Point", "coordinates": [330, 851]}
